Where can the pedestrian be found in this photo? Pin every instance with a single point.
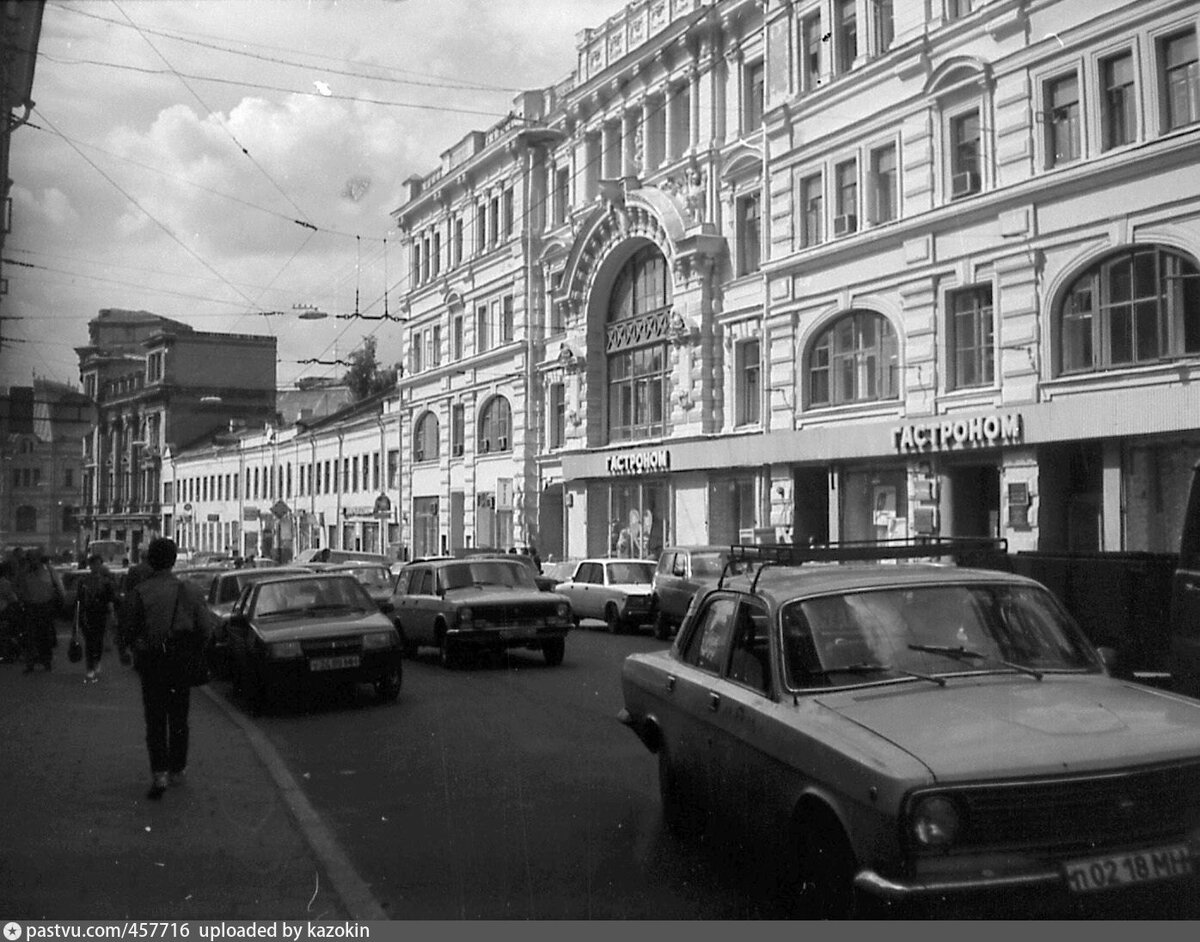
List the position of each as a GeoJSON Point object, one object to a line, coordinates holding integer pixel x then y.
{"type": "Point", "coordinates": [41, 593]}
{"type": "Point", "coordinates": [169, 625]}
{"type": "Point", "coordinates": [12, 615]}
{"type": "Point", "coordinates": [129, 581]}
{"type": "Point", "coordinates": [96, 597]}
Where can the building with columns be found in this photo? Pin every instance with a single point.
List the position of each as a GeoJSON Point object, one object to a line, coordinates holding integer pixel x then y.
{"type": "Point", "coordinates": [817, 269]}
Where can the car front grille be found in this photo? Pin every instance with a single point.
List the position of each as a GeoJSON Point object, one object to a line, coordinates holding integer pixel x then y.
{"type": "Point", "coordinates": [514, 616]}
{"type": "Point", "coordinates": [331, 647]}
{"type": "Point", "coordinates": [1078, 814]}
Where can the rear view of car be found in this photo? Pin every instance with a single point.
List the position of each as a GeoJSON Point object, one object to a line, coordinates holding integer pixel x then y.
{"type": "Point", "coordinates": [681, 571]}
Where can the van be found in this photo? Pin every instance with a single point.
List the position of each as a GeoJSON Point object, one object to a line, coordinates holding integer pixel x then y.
{"type": "Point", "coordinates": [681, 571]}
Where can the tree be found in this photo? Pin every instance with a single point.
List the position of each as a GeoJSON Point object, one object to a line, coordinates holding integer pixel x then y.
{"type": "Point", "coordinates": [365, 377]}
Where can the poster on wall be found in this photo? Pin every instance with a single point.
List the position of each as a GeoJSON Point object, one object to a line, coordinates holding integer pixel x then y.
{"type": "Point", "coordinates": [885, 505]}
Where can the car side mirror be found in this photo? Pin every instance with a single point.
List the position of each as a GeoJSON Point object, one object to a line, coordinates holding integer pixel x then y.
{"type": "Point", "coordinates": [1107, 655]}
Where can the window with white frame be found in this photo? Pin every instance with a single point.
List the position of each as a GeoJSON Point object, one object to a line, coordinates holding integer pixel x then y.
{"type": "Point", "coordinates": [1118, 105]}
{"type": "Point", "coordinates": [1061, 120]}
{"type": "Point", "coordinates": [415, 352]}
{"type": "Point", "coordinates": [754, 92]}
{"type": "Point", "coordinates": [749, 233]}
{"type": "Point", "coordinates": [435, 345]}
{"type": "Point", "coordinates": [1180, 79]}
{"type": "Point", "coordinates": [884, 185]}
{"type": "Point", "coordinates": [483, 333]}
{"type": "Point", "coordinates": [425, 438]}
{"type": "Point", "coordinates": [457, 336]}
{"type": "Point", "coordinates": [845, 13]}
{"type": "Point", "coordinates": [971, 336]}
{"type": "Point", "coordinates": [507, 326]}
{"type": "Point", "coordinates": [810, 197]}
{"type": "Point", "coordinates": [811, 41]}
{"type": "Point", "coordinates": [845, 220]}
{"type": "Point", "coordinates": [958, 8]}
{"type": "Point", "coordinates": [856, 359]}
{"type": "Point", "coordinates": [748, 385]}
{"type": "Point", "coordinates": [883, 25]}
{"type": "Point", "coordinates": [495, 426]}
{"type": "Point", "coordinates": [966, 154]}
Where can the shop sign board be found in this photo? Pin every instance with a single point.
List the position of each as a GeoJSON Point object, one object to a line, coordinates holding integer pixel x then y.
{"type": "Point", "coordinates": [949, 434]}
{"type": "Point", "coordinates": [639, 462]}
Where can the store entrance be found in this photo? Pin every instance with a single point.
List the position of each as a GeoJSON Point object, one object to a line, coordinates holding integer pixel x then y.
{"type": "Point", "coordinates": [810, 524]}
{"type": "Point", "coordinates": [972, 502]}
{"type": "Point", "coordinates": [1070, 479]}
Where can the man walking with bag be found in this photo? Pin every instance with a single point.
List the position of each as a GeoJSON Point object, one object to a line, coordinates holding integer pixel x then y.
{"type": "Point", "coordinates": [169, 627]}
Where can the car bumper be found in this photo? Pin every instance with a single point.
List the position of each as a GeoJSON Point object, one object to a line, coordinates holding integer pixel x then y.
{"type": "Point", "coordinates": [295, 673]}
{"type": "Point", "coordinates": [513, 636]}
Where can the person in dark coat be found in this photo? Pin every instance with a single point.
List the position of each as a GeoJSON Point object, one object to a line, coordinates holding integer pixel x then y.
{"type": "Point", "coordinates": [96, 597]}
{"type": "Point", "coordinates": [41, 592]}
{"type": "Point", "coordinates": [129, 581]}
{"type": "Point", "coordinates": [169, 624]}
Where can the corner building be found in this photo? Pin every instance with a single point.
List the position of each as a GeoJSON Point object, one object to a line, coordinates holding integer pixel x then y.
{"type": "Point", "coordinates": [840, 269]}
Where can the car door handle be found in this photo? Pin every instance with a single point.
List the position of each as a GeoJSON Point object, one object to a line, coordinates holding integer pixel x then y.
{"type": "Point", "coordinates": [714, 701]}
{"type": "Point", "coordinates": [670, 683]}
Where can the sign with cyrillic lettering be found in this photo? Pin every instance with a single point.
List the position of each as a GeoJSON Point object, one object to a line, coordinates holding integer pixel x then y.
{"type": "Point", "coordinates": [979, 432]}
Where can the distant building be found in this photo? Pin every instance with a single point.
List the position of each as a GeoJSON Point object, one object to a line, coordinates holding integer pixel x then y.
{"type": "Point", "coordinates": [157, 382]}
{"type": "Point", "coordinates": [41, 427]}
{"type": "Point", "coordinates": [312, 399]}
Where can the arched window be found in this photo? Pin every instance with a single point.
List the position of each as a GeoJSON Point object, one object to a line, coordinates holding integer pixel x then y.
{"type": "Point", "coordinates": [495, 426]}
{"type": "Point", "coordinates": [425, 438]}
{"type": "Point", "coordinates": [1137, 306]}
{"type": "Point", "coordinates": [636, 340]}
{"type": "Point", "coordinates": [855, 360]}
{"type": "Point", "coordinates": [26, 521]}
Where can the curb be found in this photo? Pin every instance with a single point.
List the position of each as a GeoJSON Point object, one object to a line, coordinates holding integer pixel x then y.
{"type": "Point", "coordinates": [352, 890]}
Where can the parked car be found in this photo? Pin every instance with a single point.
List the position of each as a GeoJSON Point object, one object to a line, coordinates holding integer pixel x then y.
{"type": "Point", "coordinates": [460, 605]}
{"type": "Point", "coordinates": [619, 591]}
{"type": "Point", "coordinates": [681, 571]}
{"type": "Point", "coordinates": [376, 579]}
{"type": "Point", "coordinates": [223, 593]}
{"type": "Point", "coordinates": [916, 733]}
{"type": "Point", "coordinates": [290, 633]}
{"type": "Point", "coordinates": [327, 555]}
{"type": "Point", "coordinates": [543, 582]}
{"type": "Point", "coordinates": [201, 576]}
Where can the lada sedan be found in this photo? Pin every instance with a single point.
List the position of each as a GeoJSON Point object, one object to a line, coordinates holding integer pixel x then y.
{"type": "Point", "coordinates": [618, 591]}
{"type": "Point", "coordinates": [288, 634]}
{"type": "Point", "coordinates": [223, 592]}
{"type": "Point", "coordinates": [918, 732]}
{"type": "Point", "coordinates": [484, 603]}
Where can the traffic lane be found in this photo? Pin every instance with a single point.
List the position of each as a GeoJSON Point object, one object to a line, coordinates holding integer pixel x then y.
{"type": "Point", "coordinates": [507, 790]}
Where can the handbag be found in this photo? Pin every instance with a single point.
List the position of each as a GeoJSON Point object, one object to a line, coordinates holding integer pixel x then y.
{"type": "Point", "coordinates": [75, 648]}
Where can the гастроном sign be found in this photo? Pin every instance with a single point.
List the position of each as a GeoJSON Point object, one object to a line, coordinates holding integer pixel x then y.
{"type": "Point", "coordinates": [639, 462]}
{"type": "Point", "coordinates": [979, 432]}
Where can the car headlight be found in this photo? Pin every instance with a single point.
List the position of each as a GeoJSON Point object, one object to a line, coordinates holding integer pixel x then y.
{"type": "Point", "coordinates": [284, 649]}
{"type": "Point", "coordinates": [934, 822]}
{"type": "Point", "coordinates": [465, 616]}
{"type": "Point", "coordinates": [378, 639]}
{"type": "Point", "coordinates": [563, 610]}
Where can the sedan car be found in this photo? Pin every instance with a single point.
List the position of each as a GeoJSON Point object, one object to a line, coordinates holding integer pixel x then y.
{"type": "Point", "coordinates": [291, 633]}
{"type": "Point", "coordinates": [619, 591]}
{"type": "Point", "coordinates": [917, 733]}
{"type": "Point", "coordinates": [376, 579]}
{"type": "Point", "coordinates": [223, 593]}
{"type": "Point", "coordinates": [460, 605]}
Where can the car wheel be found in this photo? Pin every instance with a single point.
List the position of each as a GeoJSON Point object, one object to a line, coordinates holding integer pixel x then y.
{"type": "Point", "coordinates": [662, 627]}
{"type": "Point", "coordinates": [447, 652]}
{"type": "Point", "coordinates": [825, 878]}
{"type": "Point", "coordinates": [680, 816]}
{"type": "Point", "coordinates": [387, 688]}
{"type": "Point", "coordinates": [554, 651]}
{"type": "Point", "coordinates": [612, 619]}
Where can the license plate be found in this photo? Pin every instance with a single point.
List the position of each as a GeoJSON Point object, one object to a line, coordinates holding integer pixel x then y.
{"type": "Point", "coordinates": [1100, 873]}
{"type": "Point", "coordinates": [333, 663]}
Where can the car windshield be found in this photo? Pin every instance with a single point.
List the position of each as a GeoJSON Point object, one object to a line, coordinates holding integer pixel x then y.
{"type": "Point", "coordinates": [708, 564]}
{"type": "Point", "coordinates": [309, 595]}
{"type": "Point", "coordinates": [630, 573]}
{"type": "Point", "coordinates": [499, 572]}
{"type": "Point", "coordinates": [928, 630]}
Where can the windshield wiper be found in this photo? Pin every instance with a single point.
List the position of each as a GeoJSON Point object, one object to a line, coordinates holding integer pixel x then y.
{"type": "Point", "coordinates": [869, 668]}
{"type": "Point", "coordinates": [966, 654]}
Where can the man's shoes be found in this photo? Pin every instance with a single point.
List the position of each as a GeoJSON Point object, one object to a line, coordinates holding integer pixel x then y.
{"type": "Point", "coordinates": [177, 778]}
{"type": "Point", "coordinates": [90, 677]}
{"type": "Point", "coordinates": [158, 786]}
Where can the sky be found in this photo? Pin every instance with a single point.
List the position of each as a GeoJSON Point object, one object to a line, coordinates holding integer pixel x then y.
{"type": "Point", "coordinates": [211, 160]}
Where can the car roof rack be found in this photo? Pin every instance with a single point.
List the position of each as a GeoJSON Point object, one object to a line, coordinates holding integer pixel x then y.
{"type": "Point", "coordinates": [962, 549]}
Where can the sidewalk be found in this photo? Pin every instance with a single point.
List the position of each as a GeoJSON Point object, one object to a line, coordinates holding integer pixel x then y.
{"type": "Point", "coordinates": [79, 839]}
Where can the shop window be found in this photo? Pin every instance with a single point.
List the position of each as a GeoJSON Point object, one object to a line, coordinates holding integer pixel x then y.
{"type": "Point", "coordinates": [748, 362]}
{"type": "Point", "coordinates": [636, 338]}
{"type": "Point", "coordinates": [425, 438]}
{"type": "Point", "coordinates": [971, 336]}
{"type": "Point", "coordinates": [1118, 115]}
{"type": "Point", "coordinates": [749, 233]}
{"type": "Point", "coordinates": [1137, 306]}
{"type": "Point", "coordinates": [495, 426]}
{"type": "Point", "coordinates": [1180, 80]}
{"type": "Point", "coordinates": [854, 360]}
{"type": "Point", "coordinates": [1061, 120]}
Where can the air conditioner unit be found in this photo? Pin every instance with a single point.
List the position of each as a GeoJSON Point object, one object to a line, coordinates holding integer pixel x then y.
{"type": "Point", "coordinates": [844, 225]}
{"type": "Point", "coordinates": [458, 450]}
{"type": "Point", "coordinates": [963, 184]}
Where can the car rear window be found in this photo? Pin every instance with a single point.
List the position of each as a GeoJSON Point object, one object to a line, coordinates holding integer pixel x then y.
{"type": "Point", "coordinates": [708, 564]}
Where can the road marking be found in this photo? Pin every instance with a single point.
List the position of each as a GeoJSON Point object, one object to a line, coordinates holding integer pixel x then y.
{"type": "Point", "coordinates": [352, 889]}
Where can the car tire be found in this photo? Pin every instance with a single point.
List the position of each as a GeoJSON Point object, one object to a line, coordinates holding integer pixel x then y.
{"type": "Point", "coordinates": [825, 874]}
{"type": "Point", "coordinates": [662, 627]}
{"type": "Point", "coordinates": [680, 817]}
{"type": "Point", "coordinates": [448, 654]}
{"type": "Point", "coordinates": [612, 619]}
{"type": "Point", "coordinates": [554, 651]}
{"type": "Point", "coordinates": [387, 688]}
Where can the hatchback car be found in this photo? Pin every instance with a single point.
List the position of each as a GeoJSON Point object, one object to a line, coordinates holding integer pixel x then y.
{"type": "Point", "coordinates": [460, 605]}
{"type": "Point", "coordinates": [619, 591]}
{"type": "Point", "coordinates": [288, 634]}
{"type": "Point", "coordinates": [916, 733]}
{"type": "Point", "coordinates": [681, 571]}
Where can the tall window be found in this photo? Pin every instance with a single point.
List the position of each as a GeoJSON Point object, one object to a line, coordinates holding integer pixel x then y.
{"type": "Point", "coordinates": [457, 429]}
{"type": "Point", "coordinates": [494, 221]}
{"type": "Point", "coordinates": [425, 438]}
{"type": "Point", "coordinates": [1134, 307]}
{"type": "Point", "coordinates": [755, 91]}
{"type": "Point", "coordinates": [506, 319]}
{"type": "Point", "coordinates": [435, 345]}
{"type": "Point", "coordinates": [855, 360]}
{"type": "Point", "coordinates": [846, 180]}
{"type": "Point", "coordinates": [884, 187]}
{"type": "Point", "coordinates": [1118, 115]}
{"type": "Point", "coordinates": [483, 332]}
{"type": "Point", "coordinates": [393, 468]}
{"type": "Point", "coordinates": [749, 382]}
{"type": "Point", "coordinates": [1180, 80]}
{"type": "Point", "coordinates": [495, 426]}
{"type": "Point", "coordinates": [749, 233]}
{"type": "Point", "coordinates": [562, 191]}
{"type": "Point", "coordinates": [458, 336]}
{"type": "Point", "coordinates": [458, 241]}
{"type": "Point", "coordinates": [508, 212]}
{"type": "Point", "coordinates": [971, 336]}
{"type": "Point", "coordinates": [810, 52]}
{"type": "Point", "coordinates": [883, 25]}
{"type": "Point", "coordinates": [846, 40]}
{"type": "Point", "coordinates": [811, 199]}
{"type": "Point", "coordinates": [481, 228]}
{"type": "Point", "coordinates": [965, 154]}
{"type": "Point", "coordinates": [556, 413]}
{"type": "Point", "coordinates": [1062, 120]}
{"type": "Point", "coordinates": [681, 120]}
{"type": "Point", "coordinates": [636, 341]}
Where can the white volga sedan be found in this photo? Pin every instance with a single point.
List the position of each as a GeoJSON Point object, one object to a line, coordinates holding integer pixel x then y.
{"type": "Point", "coordinates": [617, 591]}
